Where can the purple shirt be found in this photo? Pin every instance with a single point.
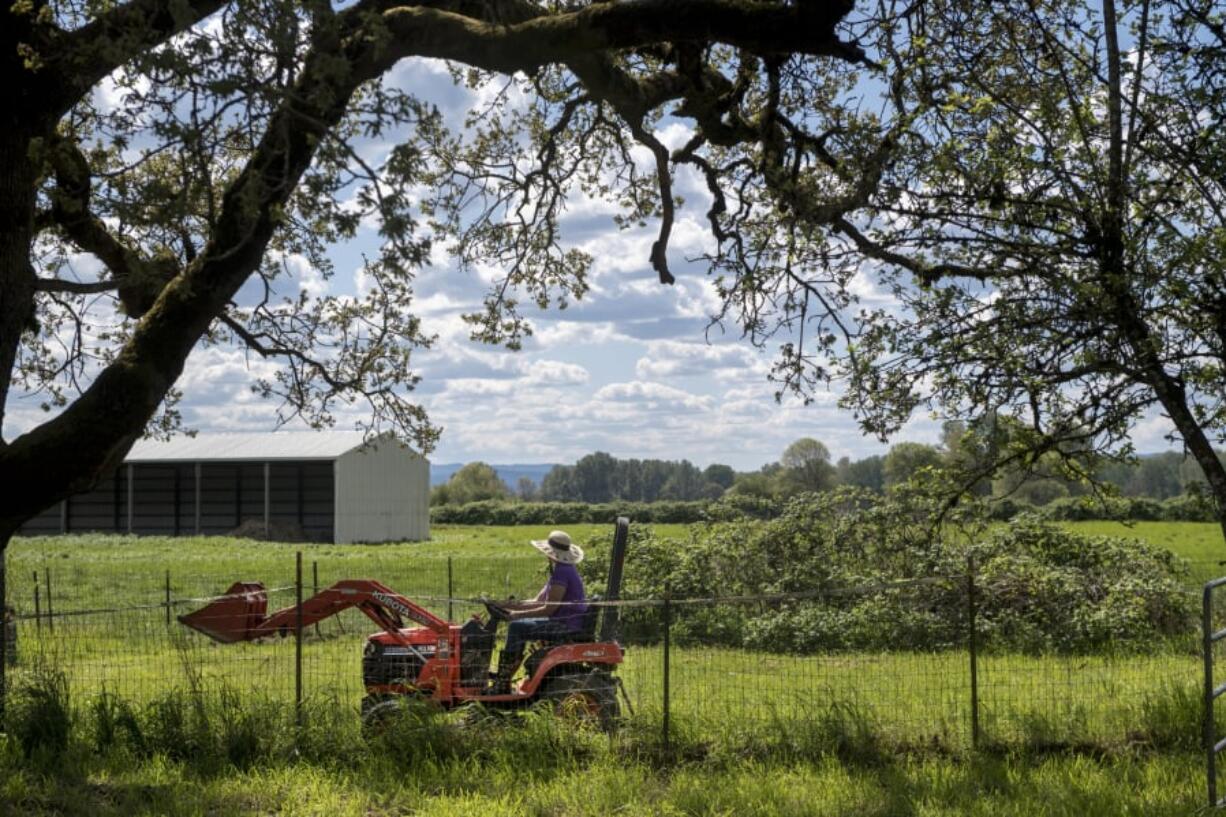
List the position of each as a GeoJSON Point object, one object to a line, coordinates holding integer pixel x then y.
{"type": "Point", "coordinates": [567, 577]}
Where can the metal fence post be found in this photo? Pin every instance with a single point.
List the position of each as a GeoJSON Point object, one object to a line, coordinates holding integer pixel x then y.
{"type": "Point", "coordinates": [38, 610]}
{"type": "Point", "coordinates": [450, 592]}
{"type": "Point", "coordinates": [972, 642]}
{"type": "Point", "coordinates": [50, 611]}
{"type": "Point", "coordinates": [1208, 725]}
{"type": "Point", "coordinates": [167, 598]}
{"type": "Point", "coordinates": [315, 586]}
{"type": "Point", "coordinates": [298, 641]}
{"type": "Point", "coordinates": [668, 624]}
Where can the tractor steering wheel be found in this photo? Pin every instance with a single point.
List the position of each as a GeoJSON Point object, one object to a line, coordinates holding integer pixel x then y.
{"type": "Point", "coordinates": [496, 611]}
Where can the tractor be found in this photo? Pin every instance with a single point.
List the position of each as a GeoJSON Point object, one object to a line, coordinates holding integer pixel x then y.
{"type": "Point", "coordinates": [440, 661]}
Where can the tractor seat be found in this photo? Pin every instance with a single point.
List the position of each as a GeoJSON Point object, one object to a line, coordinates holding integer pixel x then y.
{"type": "Point", "coordinates": [587, 627]}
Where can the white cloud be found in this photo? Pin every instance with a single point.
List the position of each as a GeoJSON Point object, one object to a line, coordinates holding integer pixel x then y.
{"type": "Point", "coordinates": [567, 333]}
{"type": "Point", "coordinates": [672, 358]}
{"type": "Point", "coordinates": [651, 395]}
{"type": "Point", "coordinates": [1151, 433]}
{"type": "Point", "coordinates": [555, 372]}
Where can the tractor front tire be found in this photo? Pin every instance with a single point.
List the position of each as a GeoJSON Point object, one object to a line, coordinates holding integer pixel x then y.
{"type": "Point", "coordinates": [379, 712]}
{"type": "Point", "coordinates": [373, 700]}
{"type": "Point", "coordinates": [590, 698]}
{"type": "Point", "coordinates": [378, 715]}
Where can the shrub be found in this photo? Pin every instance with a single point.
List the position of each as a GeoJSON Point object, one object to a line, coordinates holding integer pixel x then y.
{"type": "Point", "coordinates": [879, 577]}
{"type": "Point", "coordinates": [1002, 510]}
{"type": "Point", "coordinates": [741, 506]}
{"type": "Point", "coordinates": [1188, 508]}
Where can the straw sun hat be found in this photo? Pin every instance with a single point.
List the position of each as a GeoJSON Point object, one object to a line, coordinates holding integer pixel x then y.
{"type": "Point", "coordinates": [559, 548]}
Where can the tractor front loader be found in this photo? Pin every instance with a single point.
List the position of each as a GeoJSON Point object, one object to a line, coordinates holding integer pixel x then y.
{"type": "Point", "coordinates": [436, 659]}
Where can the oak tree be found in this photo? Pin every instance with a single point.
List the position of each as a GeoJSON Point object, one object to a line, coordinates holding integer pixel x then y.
{"type": "Point", "coordinates": [1033, 196]}
{"type": "Point", "coordinates": [235, 144]}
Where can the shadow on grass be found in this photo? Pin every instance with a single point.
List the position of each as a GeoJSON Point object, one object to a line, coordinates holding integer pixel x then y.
{"type": "Point", "coordinates": [72, 795]}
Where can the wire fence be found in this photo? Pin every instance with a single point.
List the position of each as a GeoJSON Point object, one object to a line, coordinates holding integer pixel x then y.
{"type": "Point", "coordinates": [698, 669]}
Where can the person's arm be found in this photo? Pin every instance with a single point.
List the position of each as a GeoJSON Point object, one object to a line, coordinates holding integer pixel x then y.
{"type": "Point", "coordinates": [551, 598]}
{"type": "Point", "coordinates": [540, 599]}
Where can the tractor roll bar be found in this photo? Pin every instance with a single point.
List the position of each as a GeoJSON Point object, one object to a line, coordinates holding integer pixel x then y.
{"type": "Point", "coordinates": [609, 625]}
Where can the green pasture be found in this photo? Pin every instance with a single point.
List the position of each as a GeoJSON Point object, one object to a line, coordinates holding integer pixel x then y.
{"type": "Point", "coordinates": [112, 635]}
{"type": "Point", "coordinates": [103, 572]}
{"type": "Point", "coordinates": [753, 732]}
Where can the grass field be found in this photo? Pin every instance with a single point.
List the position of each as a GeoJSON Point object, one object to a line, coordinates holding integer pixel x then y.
{"type": "Point", "coordinates": [603, 782]}
{"type": "Point", "coordinates": [1135, 715]}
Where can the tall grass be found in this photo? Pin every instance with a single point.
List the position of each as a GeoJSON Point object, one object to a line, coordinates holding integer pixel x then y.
{"type": "Point", "coordinates": [190, 755]}
{"type": "Point", "coordinates": [217, 729]}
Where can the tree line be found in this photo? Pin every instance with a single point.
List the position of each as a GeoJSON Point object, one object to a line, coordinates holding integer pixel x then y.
{"type": "Point", "coordinates": [807, 466]}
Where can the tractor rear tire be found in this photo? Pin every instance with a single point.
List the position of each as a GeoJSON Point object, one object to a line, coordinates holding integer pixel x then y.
{"type": "Point", "coordinates": [590, 698]}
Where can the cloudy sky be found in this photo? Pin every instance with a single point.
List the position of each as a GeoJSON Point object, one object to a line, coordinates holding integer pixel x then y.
{"type": "Point", "coordinates": [634, 369]}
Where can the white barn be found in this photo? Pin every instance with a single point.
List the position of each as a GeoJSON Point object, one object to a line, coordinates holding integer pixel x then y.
{"type": "Point", "coordinates": [327, 487]}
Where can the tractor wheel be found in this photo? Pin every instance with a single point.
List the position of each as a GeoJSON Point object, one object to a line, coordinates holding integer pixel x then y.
{"type": "Point", "coordinates": [371, 701]}
{"type": "Point", "coordinates": [377, 715]}
{"type": "Point", "coordinates": [589, 699]}
{"type": "Point", "coordinates": [379, 712]}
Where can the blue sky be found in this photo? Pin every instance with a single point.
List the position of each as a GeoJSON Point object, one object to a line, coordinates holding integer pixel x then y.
{"type": "Point", "coordinates": [631, 369]}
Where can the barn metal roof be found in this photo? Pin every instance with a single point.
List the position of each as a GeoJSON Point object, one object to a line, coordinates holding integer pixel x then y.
{"type": "Point", "coordinates": [278, 445]}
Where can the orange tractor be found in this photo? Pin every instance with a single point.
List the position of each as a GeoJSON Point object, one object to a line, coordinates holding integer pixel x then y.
{"type": "Point", "coordinates": [438, 660]}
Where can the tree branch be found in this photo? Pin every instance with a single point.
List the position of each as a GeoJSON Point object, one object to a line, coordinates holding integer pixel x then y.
{"type": "Point", "coordinates": [138, 279]}
{"type": "Point", "coordinates": [89, 53]}
{"type": "Point", "coordinates": [927, 273]}
{"type": "Point", "coordinates": [525, 46]}
{"type": "Point", "coordinates": [96, 430]}
{"type": "Point", "coordinates": [254, 343]}
{"type": "Point", "coordinates": [74, 287]}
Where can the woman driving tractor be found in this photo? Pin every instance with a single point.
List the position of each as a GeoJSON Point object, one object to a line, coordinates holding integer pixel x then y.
{"type": "Point", "coordinates": [555, 613]}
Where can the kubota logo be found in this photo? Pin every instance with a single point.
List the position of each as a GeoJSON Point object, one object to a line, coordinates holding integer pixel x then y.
{"type": "Point", "coordinates": [395, 604]}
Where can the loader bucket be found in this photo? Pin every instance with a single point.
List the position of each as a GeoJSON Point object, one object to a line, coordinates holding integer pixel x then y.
{"type": "Point", "coordinates": [232, 617]}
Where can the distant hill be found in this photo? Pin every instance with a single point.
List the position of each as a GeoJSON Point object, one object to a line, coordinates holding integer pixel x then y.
{"type": "Point", "coordinates": [510, 474]}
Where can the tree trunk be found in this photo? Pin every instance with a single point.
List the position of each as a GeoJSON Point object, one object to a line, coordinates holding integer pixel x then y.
{"type": "Point", "coordinates": [5, 647]}
{"type": "Point", "coordinates": [25, 111]}
{"type": "Point", "coordinates": [17, 179]}
{"type": "Point", "coordinates": [1116, 271]}
{"type": "Point", "coordinates": [1174, 400]}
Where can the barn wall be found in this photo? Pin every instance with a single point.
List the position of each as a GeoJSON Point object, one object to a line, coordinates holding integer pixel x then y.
{"type": "Point", "coordinates": [102, 510]}
{"type": "Point", "coordinates": [45, 524]}
{"type": "Point", "coordinates": [382, 494]}
{"type": "Point", "coordinates": [301, 496]}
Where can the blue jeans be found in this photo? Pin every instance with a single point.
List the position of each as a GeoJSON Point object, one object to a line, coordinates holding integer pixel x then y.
{"type": "Point", "coordinates": [523, 630]}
